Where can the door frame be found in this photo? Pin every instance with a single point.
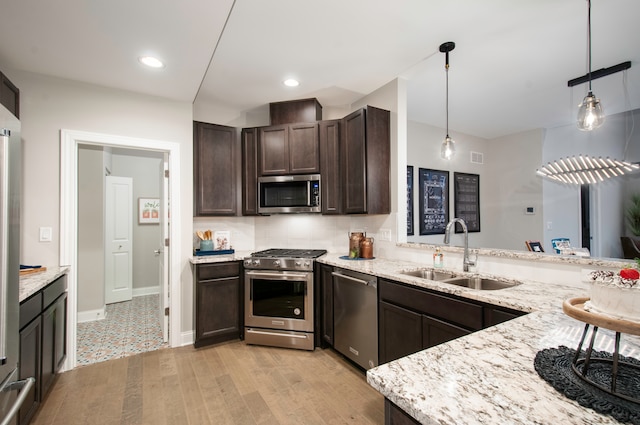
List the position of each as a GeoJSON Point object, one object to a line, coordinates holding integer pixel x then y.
{"type": "Point", "coordinates": [70, 140]}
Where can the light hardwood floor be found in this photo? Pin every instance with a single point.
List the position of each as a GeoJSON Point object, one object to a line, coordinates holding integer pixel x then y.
{"type": "Point", "coordinates": [232, 383]}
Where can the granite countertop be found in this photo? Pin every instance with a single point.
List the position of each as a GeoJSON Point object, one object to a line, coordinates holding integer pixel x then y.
{"type": "Point", "coordinates": [488, 377]}
{"type": "Point", "coordinates": [206, 259]}
{"type": "Point", "coordinates": [32, 283]}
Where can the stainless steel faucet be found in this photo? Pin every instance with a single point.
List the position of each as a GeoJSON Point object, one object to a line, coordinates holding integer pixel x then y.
{"type": "Point", "coordinates": [466, 262]}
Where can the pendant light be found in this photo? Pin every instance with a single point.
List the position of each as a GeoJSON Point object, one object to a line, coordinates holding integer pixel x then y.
{"type": "Point", "coordinates": [448, 149]}
{"type": "Point", "coordinates": [590, 112]}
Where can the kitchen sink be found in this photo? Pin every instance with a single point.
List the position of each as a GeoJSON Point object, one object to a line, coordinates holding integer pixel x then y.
{"type": "Point", "coordinates": [430, 274]}
{"type": "Point", "coordinates": [482, 283]}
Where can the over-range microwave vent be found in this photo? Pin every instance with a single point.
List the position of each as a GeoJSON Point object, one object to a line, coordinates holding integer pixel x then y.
{"type": "Point", "coordinates": [477, 157]}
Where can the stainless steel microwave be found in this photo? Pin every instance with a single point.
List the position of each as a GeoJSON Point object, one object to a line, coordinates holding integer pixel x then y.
{"type": "Point", "coordinates": [289, 194]}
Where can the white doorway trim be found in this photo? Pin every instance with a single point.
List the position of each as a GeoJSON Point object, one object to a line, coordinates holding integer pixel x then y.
{"type": "Point", "coordinates": [69, 143]}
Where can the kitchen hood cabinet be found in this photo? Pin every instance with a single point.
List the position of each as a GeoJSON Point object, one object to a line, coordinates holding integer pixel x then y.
{"type": "Point", "coordinates": [291, 111]}
{"type": "Point", "coordinates": [249, 140]}
{"type": "Point", "coordinates": [288, 149]}
{"type": "Point", "coordinates": [216, 157]}
{"type": "Point", "coordinates": [365, 161]}
{"type": "Point", "coordinates": [330, 186]}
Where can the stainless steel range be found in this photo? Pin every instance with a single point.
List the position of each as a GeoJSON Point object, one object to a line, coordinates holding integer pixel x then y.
{"type": "Point", "coordinates": [279, 298]}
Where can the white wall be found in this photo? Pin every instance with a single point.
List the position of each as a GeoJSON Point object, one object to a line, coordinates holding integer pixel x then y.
{"type": "Point", "coordinates": [512, 187]}
{"type": "Point", "coordinates": [50, 104]}
{"type": "Point", "coordinates": [90, 228]}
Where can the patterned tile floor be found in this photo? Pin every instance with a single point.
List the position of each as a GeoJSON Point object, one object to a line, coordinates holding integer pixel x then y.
{"type": "Point", "coordinates": [130, 327]}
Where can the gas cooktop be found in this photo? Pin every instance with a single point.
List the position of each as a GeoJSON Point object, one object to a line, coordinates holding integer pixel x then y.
{"type": "Point", "coordinates": [290, 253]}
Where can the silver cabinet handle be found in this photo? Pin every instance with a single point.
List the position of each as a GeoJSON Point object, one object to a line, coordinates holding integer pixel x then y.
{"type": "Point", "coordinates": [23, 386]}
{"type": "Point", "coordinates": [353, 279]}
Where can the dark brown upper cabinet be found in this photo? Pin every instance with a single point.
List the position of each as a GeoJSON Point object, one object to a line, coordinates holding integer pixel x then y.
{"type": "Point", "coordinates": [9, 95]}
{"type": "Point", "coordinates": [365, 161]}
{"type": "Point", "coordinates": [288, 149]}
{"type": "Point", "coordinates": [292, 111]}
{"type": "Point", "coordinates": [249, 140]}
{"type": "Point", "coordinates": [330, 185]}
{"type": "Point", "coordinates": [216, 155]}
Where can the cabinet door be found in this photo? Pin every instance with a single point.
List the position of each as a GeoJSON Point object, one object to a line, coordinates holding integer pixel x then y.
{"type": "Point", "coordinates": [249, 171]}
{"type": "Point", "coordinates": [215, 153]}
{"type": "Point", "coordinates": [330, 167]}
{"type": "Point", "coordinates": [273, 150]}
{"type": "Point", "coordinates": [326, 282]}
{"type": "Point", "coordinates": [30, 367]}
{"type": "Point", "coordinates": [304, 154]}
{"type": "Point", "coordinates": [218, 303]}
{"type": "Point", "coordinates": [60, 339]}
{"type": "Point", "coordinates": [393, 415]}
{"type": "Point", "coordinates": [436, 331]}
{"type": "Point", "coordinates": [48, 348]}
{"type": "Point", "coordinates": [494, 315]}
{"type": "Point", "coordinates": [400, 332]}
{"type": "Point", "coordinates": [354, 162]}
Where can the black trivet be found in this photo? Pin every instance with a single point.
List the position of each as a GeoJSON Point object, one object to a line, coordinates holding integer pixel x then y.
{"type": "Point", "coordinates": [554, 366]}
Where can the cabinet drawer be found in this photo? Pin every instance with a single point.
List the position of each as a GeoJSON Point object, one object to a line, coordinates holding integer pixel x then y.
{"type": "Point", "coordinates": [217, 270]}
{"type": "Point", "coordinates": [450, 309]}
{"type": "Point", "coordinates": [53, 291]}
{"type": "Point", "coordinates": [30, 309]}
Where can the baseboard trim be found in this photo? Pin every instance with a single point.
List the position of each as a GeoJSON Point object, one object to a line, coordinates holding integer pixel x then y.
{"type": "Point", "coordinates": [149, 290]}
{"type": "Point", "coordinates": [186, 338]}
{"type": "Point", "coordinates": [92, 315]}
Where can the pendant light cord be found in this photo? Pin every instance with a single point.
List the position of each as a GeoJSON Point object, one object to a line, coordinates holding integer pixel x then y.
{"type": "Point", "coordinates": [589, 40]}
{"type": "Point", "coordinates": [446, 67]}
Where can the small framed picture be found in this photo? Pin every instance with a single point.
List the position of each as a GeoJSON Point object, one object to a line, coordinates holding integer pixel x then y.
{"type": "Point", "coordinates": [148, 210]}
{"type": "Point", "coordinates": [534, 246]}
{"type": "Point", "coordinates": [221, 240]}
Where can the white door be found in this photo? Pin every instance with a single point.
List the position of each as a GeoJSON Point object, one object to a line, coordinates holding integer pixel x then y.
{"type": "Point", "coordinates": [163, 251]}
{"type": "Point", "coordinates": [118, 239]}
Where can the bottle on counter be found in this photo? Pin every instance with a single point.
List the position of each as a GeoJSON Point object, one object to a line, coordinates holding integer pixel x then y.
{"type": "Point", "coordinates": [438, 259]}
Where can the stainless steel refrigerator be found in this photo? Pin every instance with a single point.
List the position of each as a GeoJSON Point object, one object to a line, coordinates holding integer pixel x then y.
{"type": "Point", "coordinates": [12, 391]}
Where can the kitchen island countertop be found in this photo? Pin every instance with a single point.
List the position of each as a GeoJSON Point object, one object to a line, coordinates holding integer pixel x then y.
{"type": "Point", "coordinates": [488, 377]}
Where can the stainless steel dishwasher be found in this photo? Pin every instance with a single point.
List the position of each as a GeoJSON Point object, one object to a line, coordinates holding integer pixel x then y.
{"type": "Point", "coordinates": [355, 316]}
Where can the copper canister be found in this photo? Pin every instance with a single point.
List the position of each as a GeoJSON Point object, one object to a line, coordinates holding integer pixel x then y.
{"type": "Point", "coordinates": [366, 248]}
{"type": "Point", "coordinates": [354, 244]}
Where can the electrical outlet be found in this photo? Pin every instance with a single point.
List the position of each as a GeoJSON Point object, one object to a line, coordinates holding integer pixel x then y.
{"type": "Point", "coordinates": [46, 234]}
{"type": "Point", "coordinates": [384, 235]}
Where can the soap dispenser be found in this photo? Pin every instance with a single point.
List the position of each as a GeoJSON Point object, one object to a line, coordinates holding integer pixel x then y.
{"type": "Point", "coordinates": [438, 258]}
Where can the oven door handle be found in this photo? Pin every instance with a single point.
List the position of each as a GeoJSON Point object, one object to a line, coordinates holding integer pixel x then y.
{"type": "Point", "coordinates": [277, 275]}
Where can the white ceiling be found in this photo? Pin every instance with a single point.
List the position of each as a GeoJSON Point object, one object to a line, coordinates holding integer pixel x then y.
{"type": "Point", "coordinates": [509, 70]}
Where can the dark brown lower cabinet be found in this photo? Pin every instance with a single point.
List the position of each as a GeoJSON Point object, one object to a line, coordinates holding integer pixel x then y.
{"type": "Point", "coordinates": [43, 342]}
{"type": "Point", "coordinates": [30, 337]}
{"type": "Point", "coordinates": [400, 331]}
{"type": "Point", "coordinates": [412, 319]}
{"type": "Point", "coordinates": [393, 415]}
{"type": "Point", "coordinates": [326, 287]}
{"type": "Point", "coordinates": [218, 303]}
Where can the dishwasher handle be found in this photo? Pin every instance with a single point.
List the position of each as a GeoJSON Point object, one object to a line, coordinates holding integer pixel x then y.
{"type": "Point", "coordinates": [371, 282]}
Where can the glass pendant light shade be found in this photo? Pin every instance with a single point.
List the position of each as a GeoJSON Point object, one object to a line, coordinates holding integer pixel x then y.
{"type": "Point", "coordinates": [448, 149]}
{"type": "Point", "coordinates": [590, 113]}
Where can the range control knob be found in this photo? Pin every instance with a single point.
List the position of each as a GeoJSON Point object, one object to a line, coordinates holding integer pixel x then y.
{"type": "Point", "coordinates": [255, 263]}
{"type": "Point", "coordinates": [276, 263]}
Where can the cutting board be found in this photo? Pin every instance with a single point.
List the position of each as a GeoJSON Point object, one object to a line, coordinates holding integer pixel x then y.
{"type": "Point", "coordinates": [32, 271]}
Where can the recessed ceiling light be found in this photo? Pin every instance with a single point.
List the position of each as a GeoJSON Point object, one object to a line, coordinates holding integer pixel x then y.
{"type": "Point", "coordinates": [151, 62]}
{"type": "Point", "coordinates": [291, 82]}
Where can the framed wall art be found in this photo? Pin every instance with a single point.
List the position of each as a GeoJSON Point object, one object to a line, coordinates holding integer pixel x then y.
{"type": "Point", "coordinates": [434, 201]}
{"type": "Point", "coordinates": [148, 210]}
{"type": "Point", "coordinates": [410, 200]}
{"type": "Point", "coordinates": [466, 200]}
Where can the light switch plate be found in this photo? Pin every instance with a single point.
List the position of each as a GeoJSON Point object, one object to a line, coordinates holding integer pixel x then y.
{"type": "Point", "coordinates": [46, 234]}
{"type": "Point", "coordinates": [384, 235]}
